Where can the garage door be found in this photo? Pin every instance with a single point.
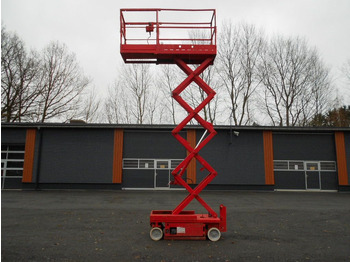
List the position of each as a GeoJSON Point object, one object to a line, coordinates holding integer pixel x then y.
{"type": "Point", "coordinates": [305, 175]}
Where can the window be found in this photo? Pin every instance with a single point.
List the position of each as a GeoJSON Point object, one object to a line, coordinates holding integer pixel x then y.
{"type": "Point", "coordinates": [312, 166]}
{"type": "Point", "coordinates": [296, 165]}
{"type": "Point", "coordinates": [162, 164]}
{"type": "Point", "coordinates": [130, 163]}
{"type": "Point", "coordinates": [146, 163]}
{"type": "Point", "coordinates": [135, 163]}
{"type": "Point", "coordinates": [175, 163]}
{"type": "Point", "coordinates": [328, 166]}
{"type": "Point", "coordinates": [12, 160]}
{"type": "Point", "coordinates": [280, 165]}
{"type": "Point", "coordinates": [299, 165]}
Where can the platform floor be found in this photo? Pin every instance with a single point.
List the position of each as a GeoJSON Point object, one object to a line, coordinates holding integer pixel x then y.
{"type": "Point", "coordinates": [166, 54]}
{"type": "Point", "coordinates": [114, 226]}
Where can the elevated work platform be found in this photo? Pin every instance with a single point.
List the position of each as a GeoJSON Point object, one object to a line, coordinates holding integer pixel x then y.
{"type": "Point", "coordinates": [162, 35]}
{"type": "Point", "coordinates": [181, 37]}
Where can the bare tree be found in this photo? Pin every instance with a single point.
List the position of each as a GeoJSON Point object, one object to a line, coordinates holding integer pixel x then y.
{"type": "Point", "coordinates": [167, 82]}
{"type": "Point", "coordinates": [154, 107]}
{"type": "Point", "coordinates": [239, 52]}
{"type": "Point", "coordinates": [137, 79]}
{"type": "Point", "coordinates": [19, 74]}
{"type": "Point", "coordinates": [136, 98]}
{"type": "Point", "coordinates": [117, 105]}
{"type": "Point", "coordinates": [62, 82]}
{"type": "Point", "coordinates": [346, 70]}
{"type": "Point", "coordinates": [296, 83]}
{"type": "Point", "coordinates": [322, 92]}
{"type": "Point", "coordinates": [88, 109]}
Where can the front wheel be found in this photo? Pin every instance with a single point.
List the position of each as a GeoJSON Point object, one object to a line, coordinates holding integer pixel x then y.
{"type": "Point", "coordinates": [214, 234]}
{"type": "Point", "coordinates": [156, 233]}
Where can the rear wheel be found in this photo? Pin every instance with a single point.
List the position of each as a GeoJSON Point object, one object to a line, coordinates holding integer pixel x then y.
{"type": "Point", "coordinates": [156, 233]}
{"type": "Point", "coordinates": [214, 234]}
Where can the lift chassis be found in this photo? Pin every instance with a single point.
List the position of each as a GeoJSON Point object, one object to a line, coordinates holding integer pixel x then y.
{"type": "Point", "coordinates": [179, 223]}
{"type": "Point", "coordinates": [187, 225]}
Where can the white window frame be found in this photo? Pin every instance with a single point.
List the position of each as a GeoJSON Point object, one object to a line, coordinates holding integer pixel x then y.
{"type": "Point", "coordinates": [304, 165]}
{"type": "Point", "coordinates": [6, 160]}
{"type": "Point", "coordinates": [154, 160]}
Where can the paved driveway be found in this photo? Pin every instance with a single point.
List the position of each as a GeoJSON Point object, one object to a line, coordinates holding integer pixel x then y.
{"type": "Point", "coordinates": [114, 226]}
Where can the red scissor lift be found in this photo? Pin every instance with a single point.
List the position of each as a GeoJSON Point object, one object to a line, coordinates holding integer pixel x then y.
{"type": "Point", "coordinates": [163, 36]}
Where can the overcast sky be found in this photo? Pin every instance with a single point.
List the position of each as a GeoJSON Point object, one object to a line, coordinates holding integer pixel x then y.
{"type": "Point", "coordinates": [90, 28]}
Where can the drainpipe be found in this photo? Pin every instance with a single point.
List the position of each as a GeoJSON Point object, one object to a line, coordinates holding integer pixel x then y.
{"type": "Point", "coordinates": [37, 179]}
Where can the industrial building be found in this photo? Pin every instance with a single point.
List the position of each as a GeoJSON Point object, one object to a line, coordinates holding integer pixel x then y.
{"type": "Point", "coordinates": [47, 156]}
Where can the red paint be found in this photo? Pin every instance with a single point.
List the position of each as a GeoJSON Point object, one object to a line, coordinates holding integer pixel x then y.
{"type": "Point", "coordinates": [178, 223]}
{"type": "Point", "coordinates": [155, 46]}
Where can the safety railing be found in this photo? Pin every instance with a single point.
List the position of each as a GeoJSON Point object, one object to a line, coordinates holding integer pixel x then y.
{"type": "Point", "coordinates": [168, 26]}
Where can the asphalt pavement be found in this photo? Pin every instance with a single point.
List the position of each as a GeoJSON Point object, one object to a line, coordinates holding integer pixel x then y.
{"type": "Point", "coordinates": [91, 225]}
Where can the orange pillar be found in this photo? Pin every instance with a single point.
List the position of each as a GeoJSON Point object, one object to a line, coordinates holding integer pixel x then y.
{"type": "Point", "coordinates": [191, 169]}
{"type": "Point", "coordinates": [268, 158]}
{"type": "Point", "coordinates": [118, 156]}
{"type": "Point", "coordinates": [29, 156]}
{"type": "Point", "coordinates": [341, 159]}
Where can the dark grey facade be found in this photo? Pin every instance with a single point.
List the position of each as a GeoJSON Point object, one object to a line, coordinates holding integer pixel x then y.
{"type": "Point", "coordinates": [149, 144]}
{"type": "Point", "coordinates": [240, 158]}
{"type": "Point", "coordinates": [86, 156]}
{"type": "Point", "coordinates": [74, 156]}
{"type": "Point", "coordinates": [13, 136]}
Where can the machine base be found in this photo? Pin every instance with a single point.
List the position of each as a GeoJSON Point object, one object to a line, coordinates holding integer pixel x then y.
{"type": "Point", "coordinates": [187, 225]}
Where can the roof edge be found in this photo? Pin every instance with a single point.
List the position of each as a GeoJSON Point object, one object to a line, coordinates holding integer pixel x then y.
{"type": "Point", "coordinates": [137, 126]}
